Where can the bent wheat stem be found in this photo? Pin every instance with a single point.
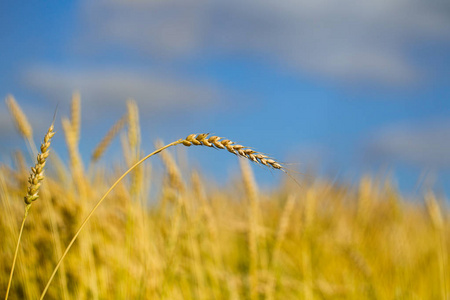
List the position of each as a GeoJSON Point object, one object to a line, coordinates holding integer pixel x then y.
{"type": "Point", "coordinates": [193, 139]}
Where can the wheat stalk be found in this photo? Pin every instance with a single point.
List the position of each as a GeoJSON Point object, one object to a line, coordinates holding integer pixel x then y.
{"type": "Point", "coordinates": [134, 143]}
{"type": "Point", "coordinates": [34, 181]}
{"type": "Point", "coordinates": [76, 163]}
{"type": "Point", "coordinates": [255, 256]}
{"type": "Point", "coordinates": [438, 222]}
{"type": "Point", "coordinates": [72, 132]}
{"type": "Point", "coordinates": [282, 228]}
{"type": "Point", "coordinates": [279, 239]}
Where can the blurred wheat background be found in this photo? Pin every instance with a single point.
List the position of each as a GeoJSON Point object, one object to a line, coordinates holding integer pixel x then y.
{"type": "Point", "coordinates": [350, 97]}
{"type": "Point", "coordinates": [195, 240]}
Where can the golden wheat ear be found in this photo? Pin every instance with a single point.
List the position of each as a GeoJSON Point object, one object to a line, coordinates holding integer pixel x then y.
{"type": "Point", "coordinates": [37, 172]}
{"type": "Point", "coordinates": [204, 139]}
{"type": "Point", "coordinates": [21, 122]}
{"type": "Point", "coordinates": [75, 116]}
{"type": "Point", "coordinates": [20, 119]}
{"type": "Point", "coordinates": [107, 139]}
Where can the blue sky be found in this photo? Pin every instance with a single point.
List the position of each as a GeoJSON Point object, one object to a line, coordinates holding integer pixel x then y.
{"type": "Point", "coordinates": [343, 88]}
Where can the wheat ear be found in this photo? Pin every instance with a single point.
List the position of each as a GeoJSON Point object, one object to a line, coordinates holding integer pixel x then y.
{"type": "Point", "coordinates": [76, 116]}
{"type": "Point", "coordinates": [193, 139]}
{"type": "Point", "coordinates": [104, 143]}
{"type": "Point", "coordinates": [204, 139]}
{"type": "Point", "coordinates": [34, 181]}
{"type": "Point", "coordinates": [37, 173]}
{"type": "Point", "coordinates": [21, 122]}
{"type": "Point", "coordinates": [134, 132]}
{"type": "Point", "coordinates": [72, 146]}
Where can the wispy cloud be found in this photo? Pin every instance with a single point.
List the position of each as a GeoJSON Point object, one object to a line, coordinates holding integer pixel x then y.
{"type": "Point", "coordinates": [423, 145]}
{"type": "Point", "coordinates": [106, 89]}
{"type": "Point", "coordinates": [348, 40]}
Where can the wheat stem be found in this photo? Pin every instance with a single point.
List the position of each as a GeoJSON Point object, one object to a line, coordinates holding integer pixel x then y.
{"type": "Point", "coordinates": [17, 250]}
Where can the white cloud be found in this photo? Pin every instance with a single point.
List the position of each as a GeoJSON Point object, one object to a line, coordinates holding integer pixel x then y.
{"type": "Point", "coordinates": [347, 40]}
{"type": "Point", "coordinates": [107, 89]}
{"type": "Point", "coordinates": [425, 145]}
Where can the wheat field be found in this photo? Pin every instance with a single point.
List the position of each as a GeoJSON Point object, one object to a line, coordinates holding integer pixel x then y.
{"type": "Point", "coordinates": [194, 240]}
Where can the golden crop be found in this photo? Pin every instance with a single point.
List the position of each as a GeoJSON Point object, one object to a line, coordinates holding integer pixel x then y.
{"type": "Point", "coordinates": [197, 241]}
